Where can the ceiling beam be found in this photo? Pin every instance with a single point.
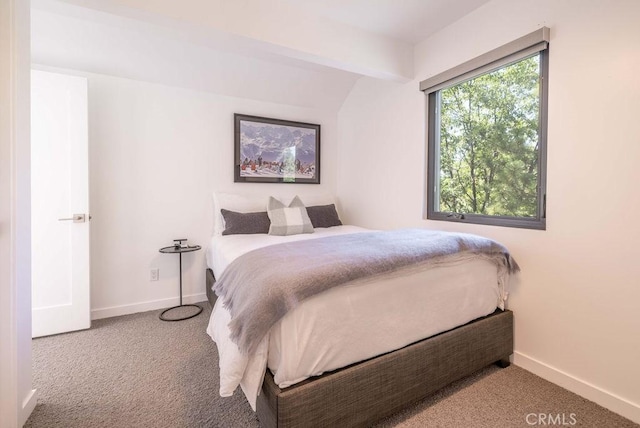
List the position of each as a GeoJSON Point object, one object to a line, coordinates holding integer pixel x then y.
{"type": "Point", "coordinates": [270, 26]}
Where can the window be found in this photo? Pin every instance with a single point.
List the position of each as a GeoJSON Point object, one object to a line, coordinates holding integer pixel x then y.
{"type": "Point", "coordinates": [487, 137]}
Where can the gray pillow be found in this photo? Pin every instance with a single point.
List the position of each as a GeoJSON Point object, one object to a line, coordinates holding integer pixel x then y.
{"type": "Point", "coordinates": [324, 216]}
{"type": "Point", "coordinates": [290, 220]}
{"type": "Point", "coordinates": [245, 223]}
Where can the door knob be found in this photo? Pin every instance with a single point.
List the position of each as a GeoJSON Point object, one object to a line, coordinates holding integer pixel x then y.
{"type": "Point", "coordinates": [77, 218]}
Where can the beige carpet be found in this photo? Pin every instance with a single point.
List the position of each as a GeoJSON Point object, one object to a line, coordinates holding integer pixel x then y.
{"type": "Point", "coordinates": [138, 371]}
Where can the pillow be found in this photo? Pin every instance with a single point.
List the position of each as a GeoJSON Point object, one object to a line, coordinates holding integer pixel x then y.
{"type": "Point", "coordinates": [324, 216]}
{"type": "Point", "coordinates": [234, 202]}
{"type": "Point", "coordinates": [288, 220]}
{"type": "Point", "coordinates": [245, 223]}
{"type": "Point", "coordinates": [246, 202]}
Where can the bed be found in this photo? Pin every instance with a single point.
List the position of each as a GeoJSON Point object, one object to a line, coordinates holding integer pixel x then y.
{"type": "Point", "coordinates": [395, 356]}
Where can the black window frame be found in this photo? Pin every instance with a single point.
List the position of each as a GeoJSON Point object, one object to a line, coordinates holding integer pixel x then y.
{"type": "Point", "coordinates": [433, 169]}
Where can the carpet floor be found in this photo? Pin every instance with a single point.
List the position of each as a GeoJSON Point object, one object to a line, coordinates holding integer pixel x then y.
{"type": "Point", "coordinates": [138, 371]}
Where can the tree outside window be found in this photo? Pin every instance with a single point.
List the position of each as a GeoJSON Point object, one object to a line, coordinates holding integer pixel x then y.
{"type": "Point", "coordinates": [486, 147]}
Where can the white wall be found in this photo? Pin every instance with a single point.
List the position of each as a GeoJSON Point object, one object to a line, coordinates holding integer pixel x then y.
{"type": "Point", "coordinates": [575, 303]}
{"type": "Point", "coordinates": [156, 155]}
{"type": "Point", "coordinates": [17, 399]}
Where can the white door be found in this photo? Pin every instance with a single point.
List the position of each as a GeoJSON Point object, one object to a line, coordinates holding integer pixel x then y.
{"type": "Point", "coordinates": [59, 203]}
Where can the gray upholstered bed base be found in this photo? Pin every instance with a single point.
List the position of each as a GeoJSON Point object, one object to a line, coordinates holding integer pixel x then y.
{"type": "Point", "coordinates": [365, 392]}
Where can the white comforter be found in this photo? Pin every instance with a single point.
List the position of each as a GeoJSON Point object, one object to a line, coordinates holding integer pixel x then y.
{"type": "Point", "coordinates": [373, 316]}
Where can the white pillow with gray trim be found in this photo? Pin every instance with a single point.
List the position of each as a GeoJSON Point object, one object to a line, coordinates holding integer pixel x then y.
{"type": "Point", "coordinates": [288, 220]}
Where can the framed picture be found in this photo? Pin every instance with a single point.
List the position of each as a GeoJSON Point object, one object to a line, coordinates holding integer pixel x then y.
{"type": "Point", "coordinates": [276, 151]}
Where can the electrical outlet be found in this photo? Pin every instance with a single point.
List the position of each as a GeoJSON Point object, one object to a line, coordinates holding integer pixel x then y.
{"type": "Point", "coordinates": [154, 274]}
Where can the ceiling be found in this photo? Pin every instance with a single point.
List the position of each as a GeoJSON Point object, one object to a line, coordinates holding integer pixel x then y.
{"type": "Point", "coordinates": [410, 21]}
{"type": "Point", "coordinates": [300, 52]}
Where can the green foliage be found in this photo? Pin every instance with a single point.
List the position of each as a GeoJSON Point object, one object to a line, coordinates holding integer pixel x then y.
{"type": "Point", "coordinates": [489, 142]}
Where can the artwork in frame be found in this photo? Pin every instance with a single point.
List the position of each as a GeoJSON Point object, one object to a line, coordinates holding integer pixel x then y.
{"type": "Point", "coordinates": [276, 151]}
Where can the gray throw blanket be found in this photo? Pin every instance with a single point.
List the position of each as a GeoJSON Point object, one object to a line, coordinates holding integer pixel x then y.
{"type": "Point", "coordinates": [261, 286]}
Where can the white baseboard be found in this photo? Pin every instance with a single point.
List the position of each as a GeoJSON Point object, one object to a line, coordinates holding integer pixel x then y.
{"type": "Point", "coordinates": [28, 404]}
{"type": "Point", "coordinates": [115, 311]}
{"type": "Point", "coordinates": [591, 392]}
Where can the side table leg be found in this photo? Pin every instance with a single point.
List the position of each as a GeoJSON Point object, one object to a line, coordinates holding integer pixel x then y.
{"type": "Point", "coordinates": [181, 305]}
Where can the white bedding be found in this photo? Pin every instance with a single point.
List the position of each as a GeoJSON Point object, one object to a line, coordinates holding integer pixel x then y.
{"type": "Point", "coordinates": [373, 316]}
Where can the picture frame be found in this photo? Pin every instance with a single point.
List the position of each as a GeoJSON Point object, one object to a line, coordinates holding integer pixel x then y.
{"type": "Point", "coordinates": [271, 150]}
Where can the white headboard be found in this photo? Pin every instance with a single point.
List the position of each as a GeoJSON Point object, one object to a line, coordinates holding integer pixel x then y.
{"type": "Point", "coordinates": [252, 202]}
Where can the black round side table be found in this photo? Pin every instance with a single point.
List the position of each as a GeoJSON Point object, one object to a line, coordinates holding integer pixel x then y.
{"type": "Point", "coordinates": [179, 250]}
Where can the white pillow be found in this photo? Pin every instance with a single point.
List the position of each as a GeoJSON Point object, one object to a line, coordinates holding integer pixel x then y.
{"type": "Point", "coordinates": [288, 220]}
{"type": "Point", "coordinates": [255, 202]}
{"type": "Point", "coordinates": [308, 197]}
